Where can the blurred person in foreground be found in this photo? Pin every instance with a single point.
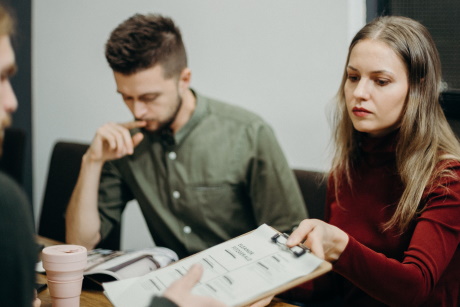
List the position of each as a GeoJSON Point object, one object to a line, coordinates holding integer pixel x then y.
{"type": "Point", "coordinates": [17, 242]}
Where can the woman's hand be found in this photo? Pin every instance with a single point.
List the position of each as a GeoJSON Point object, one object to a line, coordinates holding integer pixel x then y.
{"type": "Point", "coordinates": [325, 241]}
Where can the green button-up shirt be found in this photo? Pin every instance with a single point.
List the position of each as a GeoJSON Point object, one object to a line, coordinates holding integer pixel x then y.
{"type": "Point", "coordinates": [225, 175]}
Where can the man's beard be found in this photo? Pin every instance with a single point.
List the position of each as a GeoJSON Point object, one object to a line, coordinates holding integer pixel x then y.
{"type": "Point", "coordinates": [166, 125]}
{"type": "Point", "coordinates": [5, 122]}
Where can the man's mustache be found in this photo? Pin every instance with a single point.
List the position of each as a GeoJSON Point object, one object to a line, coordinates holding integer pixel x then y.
{"type": "Point", "coordinates": [5, 122]}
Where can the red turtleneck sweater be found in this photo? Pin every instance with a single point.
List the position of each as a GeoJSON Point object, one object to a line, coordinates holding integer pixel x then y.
{"type": "Point", "coordinates": [419, 268]}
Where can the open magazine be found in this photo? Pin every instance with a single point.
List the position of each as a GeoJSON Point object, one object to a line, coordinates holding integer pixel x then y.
{"type": "Point", "coordinates": [108, 265]}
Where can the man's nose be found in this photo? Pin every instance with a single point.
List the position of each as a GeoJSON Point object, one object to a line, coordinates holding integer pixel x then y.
{"type": "Point", "coordinates": [9, 101]}
{"type": "Point", "coordinates": [139, 109]}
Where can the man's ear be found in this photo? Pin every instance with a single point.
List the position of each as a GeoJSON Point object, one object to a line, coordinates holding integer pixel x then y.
{"type": "Point", "coordinates": [184, 79]}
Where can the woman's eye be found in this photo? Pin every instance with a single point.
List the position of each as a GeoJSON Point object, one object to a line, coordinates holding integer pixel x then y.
{"type": "Point", "coordinates": [353, 78]}
{"type": "Point", "coordinates": [382, 82]}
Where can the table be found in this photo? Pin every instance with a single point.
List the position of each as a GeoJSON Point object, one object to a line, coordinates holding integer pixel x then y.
{"type": "Point", "coordinates": [92, 298]}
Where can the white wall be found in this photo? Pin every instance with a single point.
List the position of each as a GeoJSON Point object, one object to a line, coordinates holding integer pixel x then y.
{"type": "Point", "coordinates": [281, 59]}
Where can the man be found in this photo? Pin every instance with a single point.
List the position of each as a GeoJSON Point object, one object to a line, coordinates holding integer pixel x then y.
{"type": "Point", "coordinates": [17, 244]}
{"type": "Point", "coordinates": [201, 170]}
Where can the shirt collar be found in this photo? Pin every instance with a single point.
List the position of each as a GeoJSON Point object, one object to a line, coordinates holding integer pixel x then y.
{"type": "Point", "coordinates": [199, 113]}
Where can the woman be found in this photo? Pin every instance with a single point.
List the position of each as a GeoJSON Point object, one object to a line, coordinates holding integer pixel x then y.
{"type": "Point", "coordinates": [393, 197]}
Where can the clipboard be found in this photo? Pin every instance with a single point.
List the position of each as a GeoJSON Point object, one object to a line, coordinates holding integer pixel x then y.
{"type": "Point", "coordinates": [241, 282]}
{"type": "Point", "coordinates": [298, 250]}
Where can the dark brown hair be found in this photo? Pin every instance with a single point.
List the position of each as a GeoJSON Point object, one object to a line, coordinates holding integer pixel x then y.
{"type": "Point", "coordinates": [143, 41]}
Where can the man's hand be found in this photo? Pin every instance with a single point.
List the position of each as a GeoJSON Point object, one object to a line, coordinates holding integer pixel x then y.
{"type": "Point", "coordinates": [180, 292]}
{"type": "Point", "coordinates": [113, 141]}
{"type": "Point", "coordinates": [37, 302]}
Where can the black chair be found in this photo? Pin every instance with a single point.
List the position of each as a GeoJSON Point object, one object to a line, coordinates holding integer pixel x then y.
{"type": "Point", "coordinates": [450, 102]}
{"type": "Point", "coordinates": [12, 160]}
{"type": "Point", "coordinates": [312, 185]}
{"type": "Point", "coordinates": [63, 173]}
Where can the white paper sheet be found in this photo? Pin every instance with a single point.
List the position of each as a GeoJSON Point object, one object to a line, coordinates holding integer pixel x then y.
{"type": "Point", "coordinates": [234, 272]}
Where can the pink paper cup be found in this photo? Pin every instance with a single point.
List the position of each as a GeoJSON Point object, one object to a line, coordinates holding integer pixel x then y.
{"type": "Point", "coordinates": [65, 289]}
{"type": "Point", "coordinates": [64, 266]}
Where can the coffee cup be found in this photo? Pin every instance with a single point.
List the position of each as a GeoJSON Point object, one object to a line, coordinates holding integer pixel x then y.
{"type": "Point", "coordinates": [64, 266]}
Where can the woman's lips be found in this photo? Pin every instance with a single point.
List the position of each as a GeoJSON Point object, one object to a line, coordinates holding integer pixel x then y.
{"type": "Point", "coordinates": [360, 112]}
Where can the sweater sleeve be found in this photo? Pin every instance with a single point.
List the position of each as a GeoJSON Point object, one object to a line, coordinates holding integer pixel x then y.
{"type": "Point", "coordinates": [160, 301]}
{"type": "Point", "coordinates": [432, 252]}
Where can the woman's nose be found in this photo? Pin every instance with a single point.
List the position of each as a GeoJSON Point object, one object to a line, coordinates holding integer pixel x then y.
{"type": "Point", "coordinates": [361, 91]}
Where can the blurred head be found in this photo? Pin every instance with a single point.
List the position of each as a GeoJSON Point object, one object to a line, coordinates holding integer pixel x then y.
{"type": "Point", "coordinates": [8, 102]}
{"type": "Point", "coordinates": [149, 62]}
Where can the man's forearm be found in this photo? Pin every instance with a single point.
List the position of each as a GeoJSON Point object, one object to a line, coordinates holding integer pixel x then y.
{"type": "Point", "coordinates": [82, 216]}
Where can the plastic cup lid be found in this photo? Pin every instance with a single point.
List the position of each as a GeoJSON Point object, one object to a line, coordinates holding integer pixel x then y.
{"type": "Point", "coordinates": [64, 253]}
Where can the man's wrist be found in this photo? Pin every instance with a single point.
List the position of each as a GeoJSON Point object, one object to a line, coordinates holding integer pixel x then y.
{"type": "Point", "coordinates": [88, 161]}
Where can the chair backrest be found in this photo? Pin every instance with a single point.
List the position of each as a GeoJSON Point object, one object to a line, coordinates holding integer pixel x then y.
{"type": "Point", "coordinates": [312, 185]}
{"type": "Point", "coordinates": [12, 160]}
{"type": "Point", "coordinates": [63, 173]}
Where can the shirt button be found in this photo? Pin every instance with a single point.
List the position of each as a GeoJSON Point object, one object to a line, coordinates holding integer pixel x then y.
{"type": "Point", "coordinates": [176, 194]}
{"type": "Point", "coordinates": [172, 155]}
{"type": "Point", "coordinates": [187, 229]}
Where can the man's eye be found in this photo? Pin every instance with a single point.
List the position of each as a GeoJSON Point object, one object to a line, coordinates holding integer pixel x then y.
{"type": "Point", "coordinates": [148, 99]}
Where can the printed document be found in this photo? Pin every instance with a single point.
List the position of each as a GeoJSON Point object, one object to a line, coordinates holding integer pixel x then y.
{"type": "Point", "coordinates": [235, 272]}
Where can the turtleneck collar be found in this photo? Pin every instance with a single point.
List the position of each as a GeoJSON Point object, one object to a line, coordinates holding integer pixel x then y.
{"type": "Point", "coordinates": [377, 151]}
{"type": "Point", "coordinates": [386, 143]}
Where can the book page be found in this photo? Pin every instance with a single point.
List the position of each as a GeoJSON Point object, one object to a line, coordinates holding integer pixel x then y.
{"type": "Point", "coordinates": [235, 272]}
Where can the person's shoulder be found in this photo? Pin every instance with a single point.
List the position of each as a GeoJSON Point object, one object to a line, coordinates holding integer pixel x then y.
{"type": "Point", "coordinates": [8, 184]}
{"type": "Point", "coordinates": [11, 193]}
{"type": "Point", "coordinates": [229, 111]}
{"type": "Point", "coordinates": [450, 164]}
{"type": "Point", "coordinates": [447, 172]}
{"type": "Point", "coordinates": [13, 200]}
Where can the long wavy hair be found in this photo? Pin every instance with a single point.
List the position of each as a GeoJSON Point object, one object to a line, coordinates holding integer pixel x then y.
{"type": "Point", "coordinates": [425, 137]}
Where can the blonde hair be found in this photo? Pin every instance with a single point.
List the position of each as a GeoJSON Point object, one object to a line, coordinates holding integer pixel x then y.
{"type": "Point", "coordinates": [6, 22]}
{"type": "Point", "coordinates": [425, 137]}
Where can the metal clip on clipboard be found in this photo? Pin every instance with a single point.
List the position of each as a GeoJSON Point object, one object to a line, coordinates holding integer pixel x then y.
{"type": "Point", "coordinates": [297, 250]}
